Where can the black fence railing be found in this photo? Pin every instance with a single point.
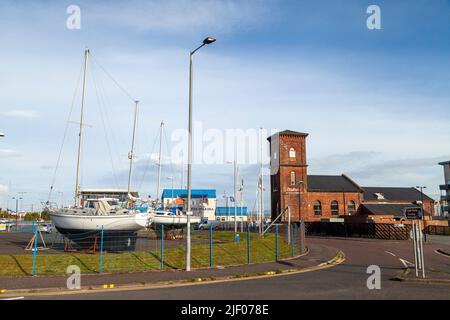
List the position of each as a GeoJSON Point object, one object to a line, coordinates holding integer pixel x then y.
{"type": "Point", "coordinates": [360, 230]}
{"type": "Point", "coordinates": [438, 230]}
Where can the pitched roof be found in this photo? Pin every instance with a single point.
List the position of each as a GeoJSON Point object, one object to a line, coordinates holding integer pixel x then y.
{"type": "Point", "coordinates": [395, 209]}
{"type": "Point", "coordinates": [289, 132]}
{"type": "Point", "coordinates": [394, 194]}
{"type": "Point", "coordinates": [195, 193]}
{"type": "Point", "coordinates": [332, 184]}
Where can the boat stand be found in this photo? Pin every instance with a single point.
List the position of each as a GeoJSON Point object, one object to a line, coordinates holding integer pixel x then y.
{"type": "Point", "coordinates": [68, 247]}
{"type": "Point", "coordinates": [30, 245]}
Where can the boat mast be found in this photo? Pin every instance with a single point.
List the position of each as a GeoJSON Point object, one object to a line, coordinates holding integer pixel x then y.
{"type": "Point", "coordinates": [131, 153]}
{"type": "Point", "coordinates": [80, 135]}
{"type": "Point", "coordinates": [159, 161]}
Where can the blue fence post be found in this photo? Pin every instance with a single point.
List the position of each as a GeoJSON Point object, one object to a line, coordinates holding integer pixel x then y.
{"type": "Point", "coordinates": [100, 268]}
{"type": "Point", "coordinates": [248, 244]}
{"type": "Point", "coordinates": [210, 245]}
{"type": "Point", "coordinates": [35, 251]}
{"type": "Point", "coordinates": [291, 230]}
{"type": "Point", "coordinates": [162, 246]}
{"type": "Point", "coordinates": [276, 242]}
{"type": "Point", "coordinates": [32, 226]}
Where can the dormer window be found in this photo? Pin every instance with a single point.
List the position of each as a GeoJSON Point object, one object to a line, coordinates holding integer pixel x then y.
{"type": "Point", "coordinates": [291, 153]}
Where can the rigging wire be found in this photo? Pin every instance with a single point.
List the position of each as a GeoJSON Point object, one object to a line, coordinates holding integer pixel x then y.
{"type": "Point", "coordinates": [171, 164]}
{"type": "Point", "coordinates": [147, 165]}
{"type": "Point", "coordinates": [102, 112]}
{"type": "Point", "coordinates": [58, 162]}
{"type": "Point", "coordinates": [113, 80]}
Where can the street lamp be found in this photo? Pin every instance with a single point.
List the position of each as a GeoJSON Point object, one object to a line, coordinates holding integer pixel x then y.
{"type": "Point", "coordinates": [2, 135]}
{"type": "Point", "coordinates": [206, 41]}
{"type": "Point", "coordinates": [17, 209]}
{"type": "Point", "coordinates": [300, 183]}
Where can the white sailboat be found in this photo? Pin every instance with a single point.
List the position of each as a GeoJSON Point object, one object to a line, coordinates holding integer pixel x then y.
{"type": "Point", "coordinates": [104, 214]}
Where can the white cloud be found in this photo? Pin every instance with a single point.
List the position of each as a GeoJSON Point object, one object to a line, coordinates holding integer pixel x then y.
{"type": "Point", "coordinates": [20, 113]}
{"type": "Point", "coordinates": [8, 153]}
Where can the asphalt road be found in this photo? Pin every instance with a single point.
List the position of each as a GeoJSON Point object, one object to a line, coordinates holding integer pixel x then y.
{"type": "Point", "coordinates": [346, 281]}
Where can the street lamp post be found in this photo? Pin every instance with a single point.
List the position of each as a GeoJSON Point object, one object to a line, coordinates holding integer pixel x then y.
{"type": "Point", "coordinates": [206, 41]}
{"type": "Point", "coordinates": [17, 210]}
{"type": "Point", "coordinates": [300, 183]}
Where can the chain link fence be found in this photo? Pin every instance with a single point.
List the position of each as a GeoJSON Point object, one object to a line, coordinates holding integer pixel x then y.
{"type": "Point", "coordinates": [38, 249]}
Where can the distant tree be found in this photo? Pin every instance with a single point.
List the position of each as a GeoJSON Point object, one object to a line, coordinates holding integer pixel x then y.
{"type": "Point", "coordinates": [45, 216]}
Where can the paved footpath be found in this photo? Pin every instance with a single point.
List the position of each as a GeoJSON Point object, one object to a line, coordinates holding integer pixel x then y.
{"type": "Point", "coordinates": [318, 253]}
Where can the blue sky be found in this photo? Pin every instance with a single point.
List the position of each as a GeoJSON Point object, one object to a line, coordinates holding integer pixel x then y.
{"type": "Point", "coordinates": [375, 102]}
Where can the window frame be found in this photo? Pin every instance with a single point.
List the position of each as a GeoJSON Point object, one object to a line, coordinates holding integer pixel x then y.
{"type": "Point", "coordinates": [317, 202]}
{"type": "Point", "coordinates": [292, 153]}
{"type": "Point", "coordinates": [334, 210]}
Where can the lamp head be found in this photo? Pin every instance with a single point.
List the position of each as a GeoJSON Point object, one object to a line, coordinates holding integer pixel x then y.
{"type": "Point", "coordinates": [209, 40]}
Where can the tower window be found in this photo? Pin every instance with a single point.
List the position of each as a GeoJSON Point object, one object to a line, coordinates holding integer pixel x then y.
{"type": "Point", "coordinates": [334, 208]}
{"type": "Point", "coordinates": [292, 178]}
{"type": "Point", "coordinates": [317, 208]}
{"type": "Point", "coordinates": [291, 153]}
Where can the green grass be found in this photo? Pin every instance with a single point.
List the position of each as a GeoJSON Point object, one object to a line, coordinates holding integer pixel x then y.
{"type": "Point", "coordinates": [226, 252]}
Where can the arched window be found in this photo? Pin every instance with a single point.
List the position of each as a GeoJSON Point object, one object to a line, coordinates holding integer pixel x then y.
{"type": "Point", "coordinates": [291, 153]}
{"type": "Point", "coordinates": [351, 207]}
{"type": "Point", "coordinates": [292, 178]}
{"type": "Point", "coordinates": [334, 208]}
{"type": "Point", "coordinates": [317, 208]}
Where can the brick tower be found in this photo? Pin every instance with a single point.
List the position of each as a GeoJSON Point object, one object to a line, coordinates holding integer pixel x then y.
{"type": "Point", "coordinates": [288, 176]}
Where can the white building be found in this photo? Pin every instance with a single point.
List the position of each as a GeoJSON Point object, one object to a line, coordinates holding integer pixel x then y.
{"type": "Point", "coordinates": [203, 203]}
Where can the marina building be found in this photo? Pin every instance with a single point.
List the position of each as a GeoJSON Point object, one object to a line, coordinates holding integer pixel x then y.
{"type": "Point", "coordinates": [121, 194]}
{"type": "Point", "coordinates": [227, 214]}
{"type": "Point", "coordinates": [333, 197]}
{"type": "Point", "coordinates": [204, 201]}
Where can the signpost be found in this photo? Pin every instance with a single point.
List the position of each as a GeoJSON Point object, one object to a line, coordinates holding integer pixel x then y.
{"type": "Point", "coordinates": [415, 215]}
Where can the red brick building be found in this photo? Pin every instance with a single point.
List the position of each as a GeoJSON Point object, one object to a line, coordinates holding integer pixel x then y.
{"type": "Point", "coordinates": [317, 197]}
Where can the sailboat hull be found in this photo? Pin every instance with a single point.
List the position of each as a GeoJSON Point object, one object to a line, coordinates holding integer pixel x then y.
{"type": "Point", "coordinates": [119, 231]}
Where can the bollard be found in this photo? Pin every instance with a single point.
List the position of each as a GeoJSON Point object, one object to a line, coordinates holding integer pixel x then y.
{"type": "Point", "coordinates": [248, 244]}
{"type": "Point", "coordinates": [276, 242]}
{"type": "Point", "coordinates": [35, 251]}
{"type": "Point", "coordinates": [100, 268]}
{"type": "Point", "coordinates": [162, 247]}
{"type": "Point", "coordinates": [210, 245]}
